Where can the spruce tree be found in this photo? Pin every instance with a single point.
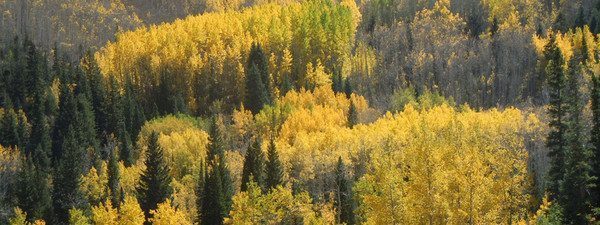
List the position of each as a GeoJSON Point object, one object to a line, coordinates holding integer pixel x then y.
{"type": "Point", "coordinates": [338, 83]}
{"type": "Point", "coordinates": [253, 168]}
{"type": "Point", "coordinates": [155, 181]}
{"type": "Point", "coordinates": [595, 137]}
{"type": "Point", "coordinates": [213, 202]}
{"type": "Point", "coordinates": [66, 114]}
{"type": "Point", "coordinates": [344, 203]}
{"type": "Point", "coordinates": [575, 188]}
{"type": "Point", "coordinates": [200, 191]}
{"type": "Point", "coordinates": [10, 129]}
{"type": "Point", "coordinates": [557, 111]}
{"type": "Point", "coordinates": [34, 194]}
{"type": "Point", "coordinates": [70, 167]}
{"type": "Point", "coordinates": [273, 167]}
{"type": "Point", "coordinates": [216, 155]}
{"type": "Point", "coordinates": [40, 143]}
{"type": "Point", "coordinates": [348, 88]}
{"type": "Point", "coordinates": [98, 95]}
{"type": "Point", "coordinates": [352, 115]}
{"type": "Point", "coordinates": [256, 93]}
{"type": "Point", "coordinates": [86, 124]}
{"type": "Point", "coordinates": [114, 177]}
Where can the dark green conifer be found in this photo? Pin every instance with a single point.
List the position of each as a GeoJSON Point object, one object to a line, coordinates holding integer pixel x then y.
{"type": "Point", "coordinates": [253, 168]}
{"type": "Point", "coordinates": [273, 167]}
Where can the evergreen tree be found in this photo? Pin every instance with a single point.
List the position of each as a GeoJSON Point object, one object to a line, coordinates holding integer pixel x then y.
{"type": "Point", "coordinates": [352, 115]}
{"type": "Point", "coordinates": [256, 93]}
{"type": "Point", "coordinates": [70, 167]}
{"type": "Point", "coordinates": [273, 167]}
{"type": "Point", "coordinates": [216, 155]}
{"type": "Point", "coordinates": [595, 137]}
{"type": "Point", "coordinates": [66, 114]}
{"type": "Point", "coordinates": [557, 111]}
{"type": "Point", "coordinates": [33, 194]}
{"type": "Point", "coordinates": [40, 143]}
{"type": "Point", "coordinates": [98, 95]}
{"type": "Point", "coordinates": [155, 181]}
{"type": "Point", "coordinates": [344, 203]}
{"type": "Point", "coordinates": [114, 177]}
{"type": "Point", "coordinates": [577, 182]}
{"type": "Point", "coordinates": [213, 204]}
{"type": "Point", "coordinates": [10, 129]}
{"type": "Point", "coordinates": [125, 148]}
{"type": "Point", "coordinates": [133, 112]}
{"type": "Point", "coordinates": [253, 166]}
{"type": "Point", "coordinates": [348, 88]}
{"type": "Point", "coordinates": [338, 83]}
{"type": "Point", "coordinates": [200, 191]}
{"type": "Point", "coordinates": [86, 124]}
{"type": "Point", "coordinates": [580, 19]}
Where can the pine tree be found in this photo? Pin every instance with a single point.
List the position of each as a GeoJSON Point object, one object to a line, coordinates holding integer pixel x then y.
{"type": "Point", "coordinates": [338, 83]}
{"type": "Point", "coordinates": [114, 176]}
{"type": "Point", "coordinates": [253, 166]}
{"type": "Point", "coordinates": [256, 94]}
{"type": "Point", "coordinates": [352, 115]}
{"type": "Point", "coordinates": [34, 195]}
{"type": "Point", "coordinates": [98, 96]}
{"type": "Point", "coordinates": [10, 129]}
{"type": "Point", "coordinates": [200, 191]}
{"type": "Point", "coordinates": [348, 88]}
{"type": "Point", "coordinates": [344, 203]}
{"type": "Point", "coordinates": [155, 182]}
{"type": "Point", "coordinates": [273, 167]}
{"type": "Point", "coordinates": [577, 182]}
{"type": "Point", "coordinates": [70, 167]}
{"type": "Point", "coordinates": [213, 204]}
{"type": "Point", "coordinates": [86, 124]}
{"type": "Point", "coordinates": [66, 114]}
{"type": "Point", "coordinates": [216, 155]}
{"type": "Point", "coordinates": [40, 143]}
{"type": "Point", "coordinates": [595, 137]}
{"type": "Point", "coordinates": [133, 113]}
{"type": "Point", "coordinates": [556, 109]}
{"type": "Point", "coordinates": [125, 148]}
{"type": "Point", "coordinates": [580, 19]}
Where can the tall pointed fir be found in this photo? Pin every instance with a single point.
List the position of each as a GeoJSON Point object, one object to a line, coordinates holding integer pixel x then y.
{"type": "Point", "coordinates": [98, 95]}
{"type": "Point", "coordinates": [34, 195]}
{"type": "Point", "coordinates": [114, 176]}
{"type": "Point", "coordinates": [348, 89]}
{"type": "Point", "coordinates": [273, 168]}
{"type": "Point", "coordinates": [66, 114]}
{"type": "Point", "coordinates": [10, 129]}
{"type": "Point", "coordinates": [578, 180]}
{"type": "Point", "coordinates": [352, 115]}
{"type": "Point", "coordinates": [216, 161]}
{"type": "Point", "coordinates": [557, 112]}
{"type": "Point", "coordinates": [344, 203]}
{"type": "Point", "coordinates": [595, 138]}
{"type": "Point", "coordinates": [86, 124]}
{"type": "Point", "coordinates": [155, 182]}
{"type": "Point", "coordinates": [70, 167]}
{"type": "Point", "coordinates": [213, 202]}
{"type": "Point", "coordinates": [253, 168]}
{"type": "Point", "coordinates": [40, 143]}
{"type": "Point", "coordinates": [200, 191]}
{"type": "Point", "coordinates": [258, 88]}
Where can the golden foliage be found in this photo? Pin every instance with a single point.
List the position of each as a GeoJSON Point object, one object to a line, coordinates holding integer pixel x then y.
{"type": "Point", "coordinates": [166, 214]}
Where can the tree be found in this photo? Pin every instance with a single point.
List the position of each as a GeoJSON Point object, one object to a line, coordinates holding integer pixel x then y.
{"type": "Point", "coordinates": [155, 182]}
{"type": "Point", "coordinates": [70, 167]}
{"type": "Point", "coordinates": [556, 109]}
{"type": "Point", "coordinates": [77, 217]}
{"type": "Point", "coordinates": [166, 214]}
{"type": "Point", "coordinates": [352, 115]}
{"type": "Point", "coordinates": [273, 167]}
{"type": "Point", "coordinates": [66, 114]}
{"type": "Point", "coordinates": [213, 204]}
{"type": "Point", "coordinates": [338, 83]}
{"type": "Point", "coordinates": [348, 88]}
{"type": "Point", "coordinates": [253, 165]}
{"type": "Point", "coordinates": [256, 93]}
{"type": "Point", "coordinates": [10, 129]}
{"type": "Point", "coordinates": [114, 176]}
{"type": "Point", "coordinates": [40, 143]}
{"type": "Point", "coordinates": [34, 194]}
{"type": "Point", "coordinates": [595, 137]}
{"type": "Point", "coordinates": [344, 202]}
{"type": "Point", "coordinates": [578, 179]}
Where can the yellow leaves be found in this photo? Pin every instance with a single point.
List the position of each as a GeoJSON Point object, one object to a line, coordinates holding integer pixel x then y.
{"type": "Point", "coordinates": [93, 184]}
{"type": "Point", "coordinates": [316, 76]}
{"type": "Point", "coordinates": [448, 166]}
{"type": "Point", "coordinates": [184, 150]}
{"type": "Point", "coordinates": [165, 214]}
{"type": "Point", "coordinates": [129, 213]}
{"type": "Point", "coordinates": [279, 206]}
{"type": "Point", "coordinates": [77, 217]}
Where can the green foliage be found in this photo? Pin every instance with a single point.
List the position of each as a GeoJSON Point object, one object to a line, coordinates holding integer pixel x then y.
{"type": "Point", "coordinates": [352, 115]}
{"type": "Point", "coordinates": [253, 165]}
{"type": "Point", "coordinates": [155, 182]}
{"type": "Point", "coordinates": [77, 217]}
{"type": "Point", "coordinates": [66, 194]}
{"type": "Point", "coordinates": [213, 203]}
{"type": "Point", "coordinates": [344, 198]}
{"type": "Point", "coordinates": [34, 192]}
{"type": "Point", "coordinates": [556, 109]}
{"type": "Point", "coordinates": [273, 168]}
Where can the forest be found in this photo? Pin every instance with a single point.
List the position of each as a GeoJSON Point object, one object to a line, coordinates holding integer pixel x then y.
{"type": "Point", "coordinates": [211, 112]}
